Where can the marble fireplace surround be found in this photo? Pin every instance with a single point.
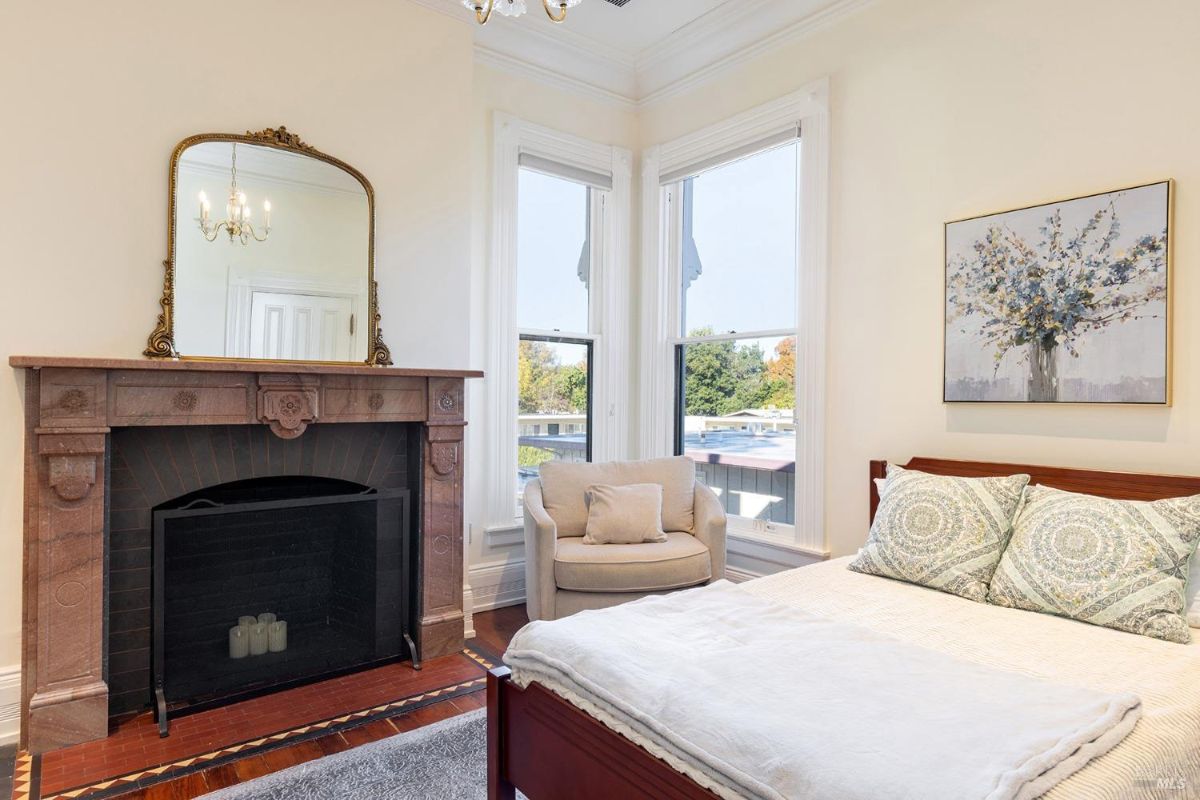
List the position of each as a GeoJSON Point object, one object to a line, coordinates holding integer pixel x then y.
{"type": "Point", "coordinates": [72, 404]}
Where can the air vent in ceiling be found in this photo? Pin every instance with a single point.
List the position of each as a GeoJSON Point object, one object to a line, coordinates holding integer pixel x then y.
{"type": "Point", "coordinates": [618, 3]}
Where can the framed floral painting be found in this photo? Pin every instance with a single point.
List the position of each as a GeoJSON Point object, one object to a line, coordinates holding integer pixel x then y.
{"type": "Point", "coordinates": [1065, 302]}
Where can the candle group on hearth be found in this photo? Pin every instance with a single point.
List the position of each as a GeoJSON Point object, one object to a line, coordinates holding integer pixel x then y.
{"type": "Point", "coordinates": [254, 636]}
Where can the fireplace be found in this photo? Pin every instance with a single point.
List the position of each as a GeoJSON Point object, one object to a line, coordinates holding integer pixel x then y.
{"type": "Point", "coordinates": [325, 565]}
{"type": "Point", "coordinates": [334, 494]}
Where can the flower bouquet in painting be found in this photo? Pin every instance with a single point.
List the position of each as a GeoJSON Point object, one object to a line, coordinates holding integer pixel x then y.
{"type": "Point", "coordinates": [1061, 303]}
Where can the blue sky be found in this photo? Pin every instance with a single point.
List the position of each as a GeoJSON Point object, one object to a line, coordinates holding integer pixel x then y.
{"type": "Point", "coordinates": [745, 231]}
{"type": "Point", "coordinates": [744, 227]}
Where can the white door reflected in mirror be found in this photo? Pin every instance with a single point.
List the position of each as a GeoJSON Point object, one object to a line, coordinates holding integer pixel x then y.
{"type": "Point", "coordinates": [301, 326]}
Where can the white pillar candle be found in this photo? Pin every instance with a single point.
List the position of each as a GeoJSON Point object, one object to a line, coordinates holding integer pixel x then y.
{"type": "Point", "coordinates": [247, 621]}
{"type": "Point", "coordinates": [266, 618]}
{"type": "Point", "coordinates": [239, 641]}
{"type": "Point", "coordinates": [277, 636]}
{"type": "Point", "coordinates": [258, 639]}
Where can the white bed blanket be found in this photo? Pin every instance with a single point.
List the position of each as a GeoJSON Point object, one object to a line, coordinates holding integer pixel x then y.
{"type": "Point", "coordinates": [755, 698]}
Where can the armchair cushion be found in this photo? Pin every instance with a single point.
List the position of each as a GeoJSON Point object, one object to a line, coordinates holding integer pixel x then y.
{"type": "Point", "coordinates": [564, 485]}
{"type": "Point", "coordinates": [624, 514]}
{"type": "Point", "coordinates": [678, 562]}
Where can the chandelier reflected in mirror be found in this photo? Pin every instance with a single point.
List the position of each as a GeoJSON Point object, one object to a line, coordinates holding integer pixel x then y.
{"type": "Point", "coordinates": [556, 10]}
{"type": "Point", "coordinates": [237, 213]}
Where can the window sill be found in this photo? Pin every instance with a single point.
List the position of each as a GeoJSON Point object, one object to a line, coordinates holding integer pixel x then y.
{"type": "Point", "coordinates": [499, 536]}
{"type": "Point", "coordinates": [781, 540]}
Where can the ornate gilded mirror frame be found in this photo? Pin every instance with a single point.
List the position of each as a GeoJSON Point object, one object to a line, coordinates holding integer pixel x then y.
{"type": "Point", "coordinates": [161, 343]}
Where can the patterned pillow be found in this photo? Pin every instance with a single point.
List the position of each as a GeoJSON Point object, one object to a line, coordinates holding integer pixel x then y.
{"type": "Point", "coordinates": [1193, 593]}
{"type": "Point", "coordinates": [1117, 563]}
{"type": "Point", "coordinates": [939, 531]}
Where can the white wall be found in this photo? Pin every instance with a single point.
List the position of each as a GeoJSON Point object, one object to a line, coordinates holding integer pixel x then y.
{"type": "Point", "coordinates": [943, 109]}
{"type": "Point", "coordinates": [95, 96]}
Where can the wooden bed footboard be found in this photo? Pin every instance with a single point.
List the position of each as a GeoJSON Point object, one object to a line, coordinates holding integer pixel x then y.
{"type": "Point", "coordinates": [551, 750]}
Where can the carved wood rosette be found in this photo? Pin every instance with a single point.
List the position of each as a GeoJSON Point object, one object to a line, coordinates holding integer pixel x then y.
{"type": "Point", "coordinates": [288, 404]}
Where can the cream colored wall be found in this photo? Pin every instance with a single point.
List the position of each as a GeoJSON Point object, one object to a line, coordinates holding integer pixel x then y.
{"type": "Point", "coordinates": [949, 108]}
{"type": "Point", "coordinates": [94, 99]}
{"type": "Point", "coordinates": [499, 566]}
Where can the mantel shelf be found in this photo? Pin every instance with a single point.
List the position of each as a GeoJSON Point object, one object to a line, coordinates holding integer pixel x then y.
{"type": "Point", "coordinates": [220, 365]}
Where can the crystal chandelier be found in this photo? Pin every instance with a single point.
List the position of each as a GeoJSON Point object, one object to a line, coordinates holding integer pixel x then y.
{"type": "Point", "coordinates": [237, 213]}
{"type": "Point", "coordinates": [555, 9]}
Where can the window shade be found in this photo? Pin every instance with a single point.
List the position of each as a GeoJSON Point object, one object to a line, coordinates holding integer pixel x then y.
{"type": "Point", "coordinates": [597, 180]}
{"type": "Point", "coordinates": [703, 165]}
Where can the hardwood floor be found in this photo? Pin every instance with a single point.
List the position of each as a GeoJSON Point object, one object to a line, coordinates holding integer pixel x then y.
{"type": "Point", "coordinates": [493, 629]}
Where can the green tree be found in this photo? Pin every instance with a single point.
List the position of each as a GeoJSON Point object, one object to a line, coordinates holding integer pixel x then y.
{"type": "Point", "coordinates": [710, 382]}
{"type": "Point", "coordinates": [546, 386]}
{"type": "Point", "coordinates": [723, 377]}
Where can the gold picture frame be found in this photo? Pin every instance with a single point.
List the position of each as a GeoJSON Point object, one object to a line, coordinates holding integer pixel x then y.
{"type": "Point", "coordinates": [161, 342]}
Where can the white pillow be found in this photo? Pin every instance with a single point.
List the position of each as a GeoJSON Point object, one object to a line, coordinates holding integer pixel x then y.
{"type": "Point", "coordinates": [624, 514]}
{"type": "Point", "coordinates": [1192, 603]}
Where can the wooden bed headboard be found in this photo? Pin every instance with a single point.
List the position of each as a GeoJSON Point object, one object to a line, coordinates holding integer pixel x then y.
{"type": "Point", "coordinates": [1118, 485]}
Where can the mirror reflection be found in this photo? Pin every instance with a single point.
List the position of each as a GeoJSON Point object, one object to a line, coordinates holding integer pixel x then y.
{"type": "Point", "coordinates": [272, 255]}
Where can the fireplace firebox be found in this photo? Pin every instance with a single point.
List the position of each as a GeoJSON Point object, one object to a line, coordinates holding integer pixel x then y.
{"type": "Point", "coordinates": [324, 565]}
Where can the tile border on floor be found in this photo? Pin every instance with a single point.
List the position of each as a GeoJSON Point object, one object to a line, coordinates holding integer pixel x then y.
{"type": "Point", "coordinates": [25, 777]}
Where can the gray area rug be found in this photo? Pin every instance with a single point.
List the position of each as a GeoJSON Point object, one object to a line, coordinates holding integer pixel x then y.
{"type": "Point", "coordinates": [443, 761]}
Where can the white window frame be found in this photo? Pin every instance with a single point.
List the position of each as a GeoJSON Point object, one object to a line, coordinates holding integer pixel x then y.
{"type": "Point", "coordinates": [661, 294]}
{"type": "Point", "coordinates": [607, 302]}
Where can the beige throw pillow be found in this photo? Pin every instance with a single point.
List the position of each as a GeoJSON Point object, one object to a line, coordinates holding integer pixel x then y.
{"type": "Point", "coordinates": [624, 514]}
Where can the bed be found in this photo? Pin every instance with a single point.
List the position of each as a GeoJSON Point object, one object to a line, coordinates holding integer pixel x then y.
{"type": "Point", "coordinates": [546, 746]}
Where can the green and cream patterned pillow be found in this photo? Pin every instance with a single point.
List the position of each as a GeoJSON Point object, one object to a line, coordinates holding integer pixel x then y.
{"type": "Point", "coordinates": [1118, 563]}
{"type": "Point", "coordinates": [943, 532]}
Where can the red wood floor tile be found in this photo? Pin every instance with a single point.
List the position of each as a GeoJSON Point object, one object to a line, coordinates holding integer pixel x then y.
{"type": "Point", "coordinates": [134, 744]}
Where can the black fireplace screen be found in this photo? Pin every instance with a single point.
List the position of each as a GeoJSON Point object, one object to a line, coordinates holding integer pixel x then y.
{"type": "Point", "coordinates": [263, 584]}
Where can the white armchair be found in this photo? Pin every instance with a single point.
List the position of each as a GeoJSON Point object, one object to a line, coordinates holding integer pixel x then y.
{"type": "Point", "coordinates": [564, 576]}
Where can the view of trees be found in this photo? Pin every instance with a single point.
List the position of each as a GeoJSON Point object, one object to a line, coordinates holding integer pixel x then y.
{"type": "Point", "coordinates": [724, 377]}
{"type": "Point", "coordinates": [547, 386]}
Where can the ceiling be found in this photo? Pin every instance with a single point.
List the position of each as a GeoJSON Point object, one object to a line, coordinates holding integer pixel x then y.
{"type": "Point", "coordinates": [646, 50]}
{"type": "Point", "coordinates": [636, 26]}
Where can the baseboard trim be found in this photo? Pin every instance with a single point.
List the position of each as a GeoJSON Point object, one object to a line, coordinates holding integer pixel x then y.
{"type": "Point", "coordinates": [10, 704]}
{"type": "Point", "coordinates": [740, 575]}
{"type": "Point", "coordinates": [497, 585]}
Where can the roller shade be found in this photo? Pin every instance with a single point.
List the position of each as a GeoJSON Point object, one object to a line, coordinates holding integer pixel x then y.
{"type": "Point", "coordinates": [597, 180]}
{"type": "Point", "coordinates": [696, 167]}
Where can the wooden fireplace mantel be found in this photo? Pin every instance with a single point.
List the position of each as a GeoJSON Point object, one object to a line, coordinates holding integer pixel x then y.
{"type": "Point", "coordinates": [71, 404]}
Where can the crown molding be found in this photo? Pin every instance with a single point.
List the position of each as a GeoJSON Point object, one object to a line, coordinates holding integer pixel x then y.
{"type": "Point", "coordinates": [694, 55]}
{"type": "Point", "coordinates": [548, 77]}
{"type": "Point", "coordinates": [721, 41]}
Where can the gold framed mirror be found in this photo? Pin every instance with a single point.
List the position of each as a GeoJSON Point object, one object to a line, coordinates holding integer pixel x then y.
{"type": "Point", "coordinates": [270, 254]}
